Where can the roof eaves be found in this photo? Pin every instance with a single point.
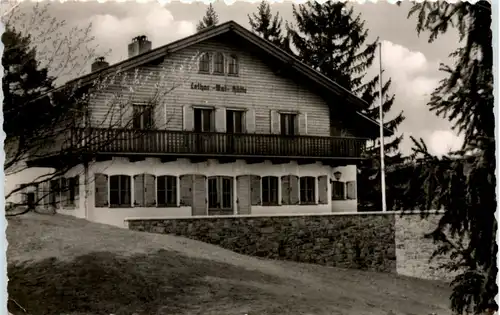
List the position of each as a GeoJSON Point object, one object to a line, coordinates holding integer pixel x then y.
{"type": "Point", "coordinates": [387, 132]}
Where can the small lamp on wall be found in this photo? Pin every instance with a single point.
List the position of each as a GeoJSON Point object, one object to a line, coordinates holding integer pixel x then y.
{"type": "Point", "coordinates": [337, 175]}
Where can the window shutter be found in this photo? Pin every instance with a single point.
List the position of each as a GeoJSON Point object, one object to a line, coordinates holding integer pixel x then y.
{"type": "Point", "coordinates": [294, 189]}
{"type": "Point", "coordinates": [323, 190]}
{"type": "Point", "coordinates": [46, 193]}
{"type": "Point", "coordinates": [285, 190]}
{"type": "Point", "coordinates": [101, 190]}
{"type": "Point", "coordinates": [188, 118]}
{"type": "Point", "coordinates": [255, 192]}
{"type": "Point", "coordinates": [149, 190]}
{"type": "Point", "coordinates": [275, 122]}
{"type": "Point", "coordinates": [351, 190]}
{"type": "Point", "coordinates": [250, 121]}
{"type": "Point", "coordinates": [199, 195]}
{"type": "Point", "coordinates": [139, 190]}
{"type": "Point", "coordinates": [24, 196]}
{"type": "Point", "coordinates": [64, 192]}
{"type": "Point", "coordinates": [38, 194]}
{"type": "Point", "coordinates": [55, 193]}
{"type": "Point", "coordinates": [243, 194]}
{"type": "Point", "coordinates": [186, 190]}
{"type": "Point", "coordinates": [77, 188]}
{"type": "Point", "coordinates": [302, 123]}
{"type": "Point", "coordinates": [220, 119]}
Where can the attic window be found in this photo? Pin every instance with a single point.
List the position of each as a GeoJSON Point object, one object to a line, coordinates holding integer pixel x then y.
{"type": "Point", "coordinates": [219, 63]}
{"type": "Point", "coordinates": [204, 63]}
{"type": "Point", "coordinates": [233, 65]}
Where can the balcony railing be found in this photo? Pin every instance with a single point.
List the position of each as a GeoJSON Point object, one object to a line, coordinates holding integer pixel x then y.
{"type": "Point", "coordinates": [99, 140]}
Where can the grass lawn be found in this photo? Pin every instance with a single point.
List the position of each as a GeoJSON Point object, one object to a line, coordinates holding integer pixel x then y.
{"type": "Point", "coordinates": [63, 265]}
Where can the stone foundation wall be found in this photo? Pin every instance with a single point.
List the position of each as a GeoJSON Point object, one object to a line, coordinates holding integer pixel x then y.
{"type": "Point", "coordinates": [378, 241]}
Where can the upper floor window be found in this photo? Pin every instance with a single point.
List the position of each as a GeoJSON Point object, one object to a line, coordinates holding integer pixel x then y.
{"type": "Point", "coordinates": [119, 191]}
{"type": "Point", "coordinates": [233, 68]}
{"type": "Point", "coordinates": [203, 120]}
{"type": "Point", "coordinates": [288, 122]}
{"type": "Point", "coordinates": [219, 63]}
{"type": "Point", "coordinates": [143, 116]}
{"type": "Point", "coordinates": [234, 121]}
{"type": "Point", "coordinates": [204, 63]}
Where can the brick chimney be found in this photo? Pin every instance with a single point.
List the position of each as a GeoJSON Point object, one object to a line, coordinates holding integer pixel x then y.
{"type": "Point", "coordinates": [98, 64]}
{"type": "Point", "coordinates": [139, 45]}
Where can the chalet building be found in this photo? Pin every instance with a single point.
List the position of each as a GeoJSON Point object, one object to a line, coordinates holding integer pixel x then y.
{"type": "Point", "coordinates": [249, 130]}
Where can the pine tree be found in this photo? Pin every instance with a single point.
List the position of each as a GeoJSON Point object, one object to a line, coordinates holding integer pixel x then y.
{"type": "Point", "coordinates": [463, 184]}
{"type": "Point", "coordinates": [268, 27]}
{"type": "Point", "coordinates": [332, 39]}
{"type": "Point", "coordinates": [210, 19]}
{"type": "Point", "coordinates": [23, 80]}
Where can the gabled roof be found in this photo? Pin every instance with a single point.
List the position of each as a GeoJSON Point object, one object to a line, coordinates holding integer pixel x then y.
{"type": "Point", "coordinates": [231, 27]}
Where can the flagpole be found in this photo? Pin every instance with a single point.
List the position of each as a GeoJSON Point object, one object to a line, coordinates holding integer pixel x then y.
{"type": "Point", "coordinates": [382, 151]}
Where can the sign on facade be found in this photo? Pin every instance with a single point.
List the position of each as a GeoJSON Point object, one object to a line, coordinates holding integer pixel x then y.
{"type": "Point", "coordinates": [219, 88]}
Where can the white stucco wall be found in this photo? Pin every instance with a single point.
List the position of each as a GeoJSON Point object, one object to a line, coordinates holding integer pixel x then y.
{"type": "Point", "coordinates": [80, 210]}
{"type": "Point", "coordinates": [122, 166]}
{"type": "Point", "coordinates": [349, 173]}
{"type": "Point", "coordinates": [26, 176]}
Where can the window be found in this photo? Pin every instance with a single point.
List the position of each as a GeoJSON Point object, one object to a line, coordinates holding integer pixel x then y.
{"type": "Point", "coordinates": [69, 190]}
{"type": "Point", "coordinates": [119, 191]}
{"type": "Point", "coordinates": [220, 193]}
{"type": "Point", "coordinates": [203, 120]}
{"type": "Point", "coordinates": [167, 191]}
{"type": "Point", "coordinates": [288, 124]}
{"type": "Point", "coordinates": [219, 63]}
{"type": "Point", "coordinates": [233, 65]}
{"type": "Point", "coordinates": [205, 63]}
{"type": "Point", "coordinates": [234, 121]}
{"type": "Point", "coordinates": [269, 191]}
{"type": "Point", "coordinates": [307, 190]}
{"type": "Point", "coordinates": [54, 192]}
{"type": "Point", "coordinates": [143, 116]}
{"type": "Point", "coordinates": [338, 189]}
{"type": "Point", "coordinates": [73, 187]}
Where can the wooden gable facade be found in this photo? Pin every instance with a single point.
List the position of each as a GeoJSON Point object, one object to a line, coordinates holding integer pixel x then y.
{"type": "Point", "coordinates": [221, 122]}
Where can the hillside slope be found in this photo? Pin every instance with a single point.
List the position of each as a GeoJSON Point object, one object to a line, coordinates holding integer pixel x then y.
{"type": "Point", "coordinates": [59, 264]}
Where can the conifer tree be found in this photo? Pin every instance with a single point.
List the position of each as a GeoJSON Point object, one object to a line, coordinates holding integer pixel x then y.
{"type": "Point", "coordinates": [269, 27]}
{"type": "Point", "coordinates": [23, 80]}
{"type": "Point", "coordinates": [333, 40]}
{"type": "Point", "coordinates": [210, 19]}
{"type": "Point", "coordinates": [462, 184]}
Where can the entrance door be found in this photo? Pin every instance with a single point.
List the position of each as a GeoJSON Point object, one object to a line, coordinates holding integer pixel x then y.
{"type": "Point", "coordinates": [243, 194]}
{"type": "Point", "coordinates": [30, 200]}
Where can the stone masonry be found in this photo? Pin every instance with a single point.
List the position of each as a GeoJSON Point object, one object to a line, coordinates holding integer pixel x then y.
{"type": "Point", "coordinates": [386, 242]}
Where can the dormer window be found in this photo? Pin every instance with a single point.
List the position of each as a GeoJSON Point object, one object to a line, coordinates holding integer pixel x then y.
{"type": "Point", "coordinates": [219, 63]}
{"type": "Point", "coordinates": [204, 63]}
{"type": "Point", "coordinates": [233, 65]}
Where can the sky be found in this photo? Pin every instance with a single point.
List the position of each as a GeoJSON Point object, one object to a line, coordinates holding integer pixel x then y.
{"type": "Point", "coordinates": [408, 59]}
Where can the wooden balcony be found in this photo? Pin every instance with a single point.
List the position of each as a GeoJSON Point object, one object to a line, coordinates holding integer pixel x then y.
{"type": "Point", "coordinates": [217, 145]}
